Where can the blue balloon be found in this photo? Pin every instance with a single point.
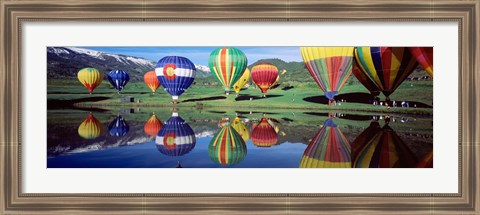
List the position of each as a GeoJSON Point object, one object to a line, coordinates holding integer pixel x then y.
{"type": "Point", "coordinates": [118, 79]}
{"type": "Point", "coordinates": [176, 138]}
{"type": "Point", "coordinates": [175, 74]}
{"type": "Point", "coordinates": [118, 127]}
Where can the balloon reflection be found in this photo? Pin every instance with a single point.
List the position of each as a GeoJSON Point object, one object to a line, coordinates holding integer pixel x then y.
{"type": "Point", "coordinates": [381, 147]}
{"type": "Point", "coordinates": [118, 127]}
{"type": "Point", "coordinates": [241, 129]}
{"type": "Point", "coordinates": [152, 126]}
{"type": "Point", "coordinates": [264, 135]}
{"type": "Point", "coordinates": [328, 149]}
{"type": "Point", "coordinates": [227, 146]}
{"type": "Point", "coordinates": [90, 128]}
{"type": "Point", "coordinates": [176, 137]}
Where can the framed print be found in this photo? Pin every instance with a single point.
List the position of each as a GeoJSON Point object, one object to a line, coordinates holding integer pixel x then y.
{"type": "Point", "coordinates": [161, 107]}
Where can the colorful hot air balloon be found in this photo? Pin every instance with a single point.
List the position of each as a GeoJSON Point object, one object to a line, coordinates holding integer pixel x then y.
{"type": "Point", "coordinates": [227, 65]}
{"type": "Point", "coordinates": [241, 129]}
{"type": "Point", "coordinates": [426, 161]}
{"type": "Point", "coordinates": [365, 80]}
{"type": "Point", "coordinates": [328, 149]}
{"type": "Point", "coordinates": [176, 74]}
{"type": "Point", "coordinates": [264, 135]}
{"type": "Point", "coordinates": [242, 81]}
{"type": "Point", "coordinates": [118, 127]}
{"type": "Point", "coordinates": [227, 147]}
{"type": "Point", "coordinates": [176, 138]}
{"type": "Point", "coordinates": [151, 80]}
{"type": "Point", "coordinates": [275, 84]}
{"type": "Point", "coordinates": [118, 79]}
{"type": "Point", "coordinates": [424, 56]}
{"type": "Point", "coordinates": [378, 147]}
{"type": "Point", "coordinates": [90, 128]}
{"type": "Point", "coordinates": [264, 75]}
{"type": "Point", "coordinates": [330, 67]}
{"type": "Point", "coordinates": [90, 78]}
{"type": "Point", "coordinates": [152, 126]}
{"type": "Point", "coordinates": [387, 67]}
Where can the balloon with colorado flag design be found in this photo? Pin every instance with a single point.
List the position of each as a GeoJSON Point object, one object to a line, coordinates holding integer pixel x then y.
{"type": "Point", "coordinates": [176, 137]}
{"type": "Point", "coordinates": [175, 74]}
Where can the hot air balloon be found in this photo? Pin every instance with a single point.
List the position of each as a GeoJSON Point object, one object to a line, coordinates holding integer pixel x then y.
{"type": "Point", "coordinates": [90, 128]}
{"type": "Point", "coordinates": [118, 79]}
{"type": "Point", "coordinates": [426, 161]}
{"type": "Point", "coordinates": [329, 148]}
{"type": "Point", "coordinates": [151, 80]}
{"type": "Point", "coordinates": [176, 138]}
{"type": "Point", "coordinates": [264, 75]}
{"type": "Point", "coordinates": [242, 81]}
{"type": "Point", "coordinates": [227, 147]}
{"type": "Point", "coordinates": [275, 84]}
{"type": "Point", "coordinates": [118, 127]}
{"type": "Point", "coordinates": [176, 74]}
{"type": "Point", "coordinates": [381, 147]}
{"type": "Point", "coordinates": [424, 56]}
{"type": "Point", "coordinates": [264, 135]}
{"type": "Point", "coordinates": [241, 129]}
{"type": "Point", "coordinates": [227, 65]}
{"type": "Point", "coordinates": [330, 67]}
{"type": "Point", "coordinates": [152, 126]}
{"type": "Point", "coordinates": [365, 80]}
{"type": "Point", "coordinates": [387, 67]}
{"type": "Point", "coordinates": [90, 78]}
{"type": "Point", "coordinates": [284, 72]}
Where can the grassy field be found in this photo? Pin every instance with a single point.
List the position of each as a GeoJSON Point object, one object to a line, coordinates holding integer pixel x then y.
{"type": "Point", "coordinates": [294, 96]}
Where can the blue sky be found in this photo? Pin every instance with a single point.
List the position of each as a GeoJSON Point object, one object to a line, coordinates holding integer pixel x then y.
{"type": "Point", "coordinates": [199, 55]}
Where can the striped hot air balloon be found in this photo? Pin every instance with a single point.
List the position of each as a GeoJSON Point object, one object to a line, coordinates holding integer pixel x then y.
{"type": "Point", "coordinates": [90, 128]}
{"type": "Point", "coordinates": [151, 80]}
{"type": "Point", "coordinates": [118, 127]}
{"type": "Point", "coordinates": [381, 147]}
{"type": "Point", "coordinates": [242, 81]}
{"type": "Point", "coordinates": [227, 65]}
{"type": "Point", "coordinates": [227, 147]}
{"type": "Point", "coordinates": [330, 67]}
{"type": "Point", "coordinates": [264, 135]}
{"type": "Point", "coordinates": [264, 75]}
{"type": "Point", "coordinates": [176, 138]}
{"type": "Point", "coordinates": [152, 126]}
{"type": "Point", "coordinates": [241, 129]}
{"type": "Point", "coordinates": [176, 74]}
{"type": "Point", "coordinates": [426, 161]}
{"type": "Point", "coordinates": [387, 67]}
{"type": "Point", "coordinates": [90, 78]}
{"type": "Point", "coordinates": [365, 80]}
{"type": "Point", "coordinates": [118, 79]}
{"type": "Point", "coordinates": [424, 56]}
{"type": "Point", "coordinates": [328, 149]}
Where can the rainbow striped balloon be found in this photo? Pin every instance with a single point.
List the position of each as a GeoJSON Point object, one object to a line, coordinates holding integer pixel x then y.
{"type": "Point", "coordinates": [387, 67]}
{"type": "Point", "coordinates": [330, 67]}
{"type": "Point", "coordinates": [227, 147]}
{"type": "Point", "coordinates": [424, 56]}
{"type": "Point", "coordinates": [328, 149]}
{"type": "Point", "coordinates": [227, 65]}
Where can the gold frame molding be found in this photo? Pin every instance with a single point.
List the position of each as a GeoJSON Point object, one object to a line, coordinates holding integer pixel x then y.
{"type": "Point", "coordinates": [15, 12]}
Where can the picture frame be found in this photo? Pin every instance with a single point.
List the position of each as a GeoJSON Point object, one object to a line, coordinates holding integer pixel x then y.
{"type": "Point", "coordinates": [14, 13]}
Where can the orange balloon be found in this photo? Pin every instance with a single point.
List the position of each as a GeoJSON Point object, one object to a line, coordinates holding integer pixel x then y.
{"type": "Point", "coordinates": [151, 80]}
{"type": "Point", "coordinates": [153, 126]}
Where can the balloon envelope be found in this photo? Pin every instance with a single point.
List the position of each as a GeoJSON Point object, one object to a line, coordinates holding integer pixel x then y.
{"type": "Point", "coordinates": [424, 56]}
{"type": "Point", "coordinates": [152, 126]}
{"type": "Point", "coordinates": [118, 79]}
{"type": "Point", "coordinates": [227, 147]}
{"type": "Point", "coordinates": [227, 65]}
{"type": "Point", "coordinates": [242, 81]}
{"type": "Point", "coordinates": [365, 80]}
{"type": "Point", "coordinates": [264, 75]}
{"type": "Point", "coordinates": [330, 67]}
{"type": "Point", "coordinates": [387, 67]}
{"type": "Point", "coordinates": [90, 128]}
{"type": "Point", "coordinates": [176, 138]}
{"type": "Point", "coordinates": [264, 135]}
{"type": "Point", "coordinates": [90, 78]}
{"type": "Point", "coordinates": [175, 74]}
{"type": "Point", "coordinates": [151, 80]}
{"type": "Point", "coordinates": [241, 129]}
{"type": "Point", "coordinates": [118, 127]}
{"type": "Point", "coordinates": [329, 148]}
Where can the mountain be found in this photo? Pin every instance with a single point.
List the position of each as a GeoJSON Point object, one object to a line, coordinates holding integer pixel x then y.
{"type": "Point", "coordinates": [64, 62]}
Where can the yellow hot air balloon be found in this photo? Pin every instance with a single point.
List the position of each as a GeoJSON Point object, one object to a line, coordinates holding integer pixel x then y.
{"type": "Point", "coordinates": [90, 78]}
{"type": "Point", "coordinates": [90, 128]}
{"type": "Point", "coordinates": [284, 71]}
{"type": "Point", "coordinates": [242, 81]}
{"type": "Point", "coordinates": [241, 129]}
{"type": "Point", "coordinates": [275, 84]}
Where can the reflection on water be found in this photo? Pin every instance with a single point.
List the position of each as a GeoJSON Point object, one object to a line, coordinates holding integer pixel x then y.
{"type": "Point", "coordinates": [215, 139]}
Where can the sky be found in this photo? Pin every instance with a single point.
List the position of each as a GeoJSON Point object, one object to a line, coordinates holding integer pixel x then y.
{"type": "Point", "coordinates": [200, 55]}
